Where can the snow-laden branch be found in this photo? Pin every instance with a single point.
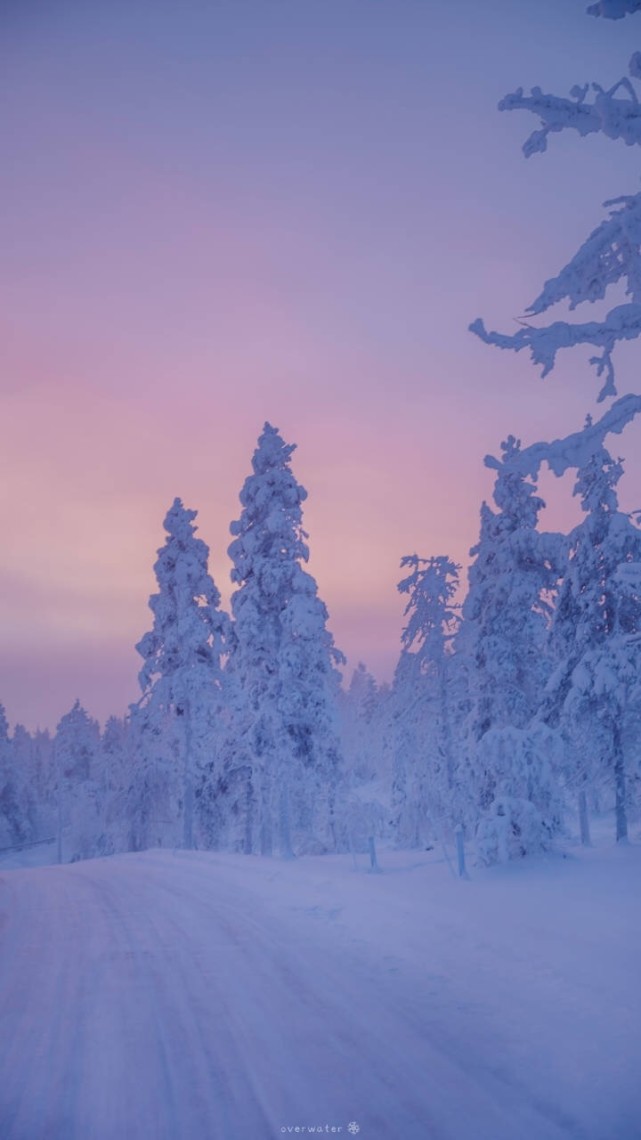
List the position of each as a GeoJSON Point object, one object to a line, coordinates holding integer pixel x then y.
{"type": "Point", "coordinates": [614, 9]}
{"type": "Point", "coordinates": [575, 450]}
{"type": "Point", "coordinates": [615, 112]}
{"type": "Point", "coordinates": [611, 254]}
{"type": "Point", "coordinates": [621, 323]}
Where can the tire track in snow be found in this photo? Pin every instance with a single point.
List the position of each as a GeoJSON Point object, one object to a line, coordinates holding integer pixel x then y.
{"type": "Point", "coordinates": [177, 1005]}
{"type": "Point", "coordinates": [469, 1069]}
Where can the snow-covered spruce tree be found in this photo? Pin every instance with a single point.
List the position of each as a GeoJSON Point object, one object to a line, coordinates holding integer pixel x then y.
{"type": "Point", "coordinates": [610, 258]}
{"type": "Point", "coordinates": [358, 728]}
{"type": "Point", "coordinates": [16, 805]}
{"type": "Point", "coordinates": [573, 452]}
{"type": "Point", "coordinates": [79, 803]}
{"type": "Point", "coordinates": [116, 778]}
{"type": "Point", "coordinates": [611, 255]}
{"type": "Point", "coordinates": [282, 771]}
{"type": "Point", "coordinates": [596, 688]}
{"type": "Point", "coordinates": [423, 775]}
{"type": "Point", "coordinates": [42, 783]}
{"type": "Point", "coordinates": [175, 722]}
{"type": "Point", "coordinates": [502, 641]}
{"type": "Point", "coordinates": [22, 749]}
{"type": "Point", "coordinates": [365, 807]}
{"type": "Point", "coordinates": [507, 608]}
{"type": "Point", "coordinates": [9, 819]}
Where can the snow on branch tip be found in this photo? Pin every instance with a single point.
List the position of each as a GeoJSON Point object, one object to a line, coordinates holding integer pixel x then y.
{"type": "Point", "coordinates": [615, 112]}
{"type": "Point", "coordinates": [614, 9]}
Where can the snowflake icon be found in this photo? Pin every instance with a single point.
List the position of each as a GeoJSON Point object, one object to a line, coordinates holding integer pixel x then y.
{"type": "Point", "coordinates": [353, 1127]}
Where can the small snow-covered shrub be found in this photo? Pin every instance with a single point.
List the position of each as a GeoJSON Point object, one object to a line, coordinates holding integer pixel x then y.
{"type": "Point", "coordinates": [511, 829]}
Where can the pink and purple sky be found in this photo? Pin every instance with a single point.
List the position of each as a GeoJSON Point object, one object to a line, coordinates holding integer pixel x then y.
{"type": "Point", "coordinates": [217, 213]}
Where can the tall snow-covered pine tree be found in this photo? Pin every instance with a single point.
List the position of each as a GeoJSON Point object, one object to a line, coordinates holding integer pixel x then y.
{"type": "Point", "coordinates": [283, 666]}
{"type": "Point", "coordinates": [181, 680]}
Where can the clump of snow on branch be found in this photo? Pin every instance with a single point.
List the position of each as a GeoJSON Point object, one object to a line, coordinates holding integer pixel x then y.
{"type": "Point", "coordinates": [574, 450]}
{"type": "Point", "coordinates": [614, 9]}
{"type": "Point", "coordinates": [617, 116]}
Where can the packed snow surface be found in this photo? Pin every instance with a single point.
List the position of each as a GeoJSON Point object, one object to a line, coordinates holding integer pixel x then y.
{"type": "Point", "coordinates": [192, 996]}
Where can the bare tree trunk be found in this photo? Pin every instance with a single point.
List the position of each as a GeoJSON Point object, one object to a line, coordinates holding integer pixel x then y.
{"type": "Point", "coordinates": [460, 851]}
{"type": "Point", "coordinates": [188, 789]}
{"type": "Point", "coordinates": [584, 819]}
{"type": "Point", "coordinates": [59, 851]}
{"type": "Point", "coordinates": [284, 821]}
{"type": "Point", "coordinates": [249, 817]}
{"type": "Point", "coordinates": [266, 830]}
{"type": "Point", "coordinates": [620, 788]}
{"type": "Point", "coordinates": [331, 809]}
{"type": "Point", "coordinates": [446, 729]}
{"type": "Point", "coordinates": [266, 843]}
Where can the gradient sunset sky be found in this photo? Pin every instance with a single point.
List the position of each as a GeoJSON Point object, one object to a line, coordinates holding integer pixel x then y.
{"type": "Point", "coordinates": [221, 212]}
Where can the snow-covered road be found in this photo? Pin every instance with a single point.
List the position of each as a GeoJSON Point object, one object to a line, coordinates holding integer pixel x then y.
{"type": "Point", "coordinates": [198, 997]}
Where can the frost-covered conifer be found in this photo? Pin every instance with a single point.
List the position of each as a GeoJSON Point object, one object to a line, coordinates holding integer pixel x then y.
{"type": "Point", "coordinates": [114, 750]}
{"type": "Point", "coordinates": [423, 774]}
{"type": "Point", "coordinates": [79, 805]}
{"type": "Point", "coordinates": [596, 684]}
{"type": "Point", "coordinates": [432, 615]}
{"type": "Point", "coordinates": [43, 775]}
{"type": "Point", "coordinates": [76, 745]}
{"type": "Point", "coordinates": [507, 609]}
{"type": "Point", "coordinates": [583, 451]}
{"type": "Point", "coordinates": [597, 636]}
{"type": "Point", "coordinates": [503, 640]}
{"type": "Point", "coordinates": [359, 732]}
{"type": "Point", "coordinates": [363, 693]}
{"type": "Point", "coordinates": [22, 752]}
{"type": "Point", "coordinates": [175, 723]}
{"type": "Point", "coordinates": [117, 776]}
{"type": "Point", "coordinates": [282, 772]}
{"type": "Point", "coordinates": [16, 806]}
{"type": "Point", "coordinates": [364, 808]}
{"type": "Point", "coordinates": [7, 791]}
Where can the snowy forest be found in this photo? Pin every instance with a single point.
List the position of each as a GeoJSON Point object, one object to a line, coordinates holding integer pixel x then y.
{"type": "Point", "coordinates": [512, 712]}
{"type": "Point", "coordinates": [276, 894]}
{"type": "Point", "coordinates": [515, 708]}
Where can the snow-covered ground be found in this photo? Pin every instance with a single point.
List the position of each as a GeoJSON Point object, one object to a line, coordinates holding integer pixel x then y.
{"type": "Point", "coordinates": [192, 996]}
